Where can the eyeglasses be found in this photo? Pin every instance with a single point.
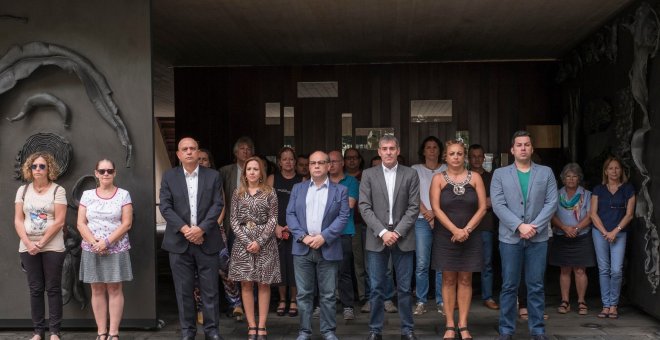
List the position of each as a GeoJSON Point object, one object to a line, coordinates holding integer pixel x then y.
{"type": "Point", "coordinates": [335, 161]}
{"type": "Point", "coordinates": [313, 163]}
{"type": "Point", "coordinates": [103, 171]}
{"type": "Point", "coordinates": [40, 166]}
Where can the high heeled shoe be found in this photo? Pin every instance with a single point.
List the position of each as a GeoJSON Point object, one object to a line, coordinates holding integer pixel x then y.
{"type": "Point", "coordinates": [262, 336]}
{"type": "Point", "coordinates": [252, 336]}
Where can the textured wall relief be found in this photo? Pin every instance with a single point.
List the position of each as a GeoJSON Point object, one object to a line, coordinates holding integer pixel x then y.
{"type": "Point", "coordinates": [43, 100]}
{"type": "Point", "coordinates": [597, 116]}
{"type": "Point", "coordinates": [645, 29]}
{"type": "Point", "coordinates": [20, 61]}
{"type": "Point", "coordinates": [624, 110]}
{"type": "Point", "coordinates": [56, 145]}
{"type": "Point", "coordinates": [602, 45]}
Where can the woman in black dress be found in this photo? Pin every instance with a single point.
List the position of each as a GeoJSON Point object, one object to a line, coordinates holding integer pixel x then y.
{"type": "Point", "coordinates": [458, 199]}
{"type": "Point", "coordinates": [282, 182]}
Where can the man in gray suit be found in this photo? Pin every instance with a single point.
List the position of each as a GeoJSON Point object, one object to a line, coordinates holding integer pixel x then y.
{"type": "Point", "coordinates": [231, 174]}
{"type": "Point", "coordinates": [190, 202]}
{"type": "Point", "coordinates": [524, 198]}
{"type": "Point", "coordinates": [389, 204]}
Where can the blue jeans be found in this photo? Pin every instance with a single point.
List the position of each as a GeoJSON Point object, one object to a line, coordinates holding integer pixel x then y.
{"type": "Point", "coordinates": [610, 266]}
{"type": "Point", "coordinates": [312, 268]}
{"type": "Point", "coordinates": [487, 272]}
{"type": "Point", "coordinates": [423, 243]}
{"type": "Point", "coordinates": [531, 256]}
{"type": "Point", "coordinates": [403, 266]}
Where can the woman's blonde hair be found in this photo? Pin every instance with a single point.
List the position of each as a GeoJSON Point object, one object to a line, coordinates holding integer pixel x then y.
{"type": "Point", "coordinates": [262, 179]}
{"type": "Point", "coordinates": [610, 159]}
{"type": "Point", "coordinates": [52, 167]}
{"type": "Point", "coordinates": [450, 143]}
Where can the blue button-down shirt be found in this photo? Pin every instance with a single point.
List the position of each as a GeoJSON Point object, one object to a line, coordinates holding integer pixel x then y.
{"type": "Point", "coordinates": [315, 202]}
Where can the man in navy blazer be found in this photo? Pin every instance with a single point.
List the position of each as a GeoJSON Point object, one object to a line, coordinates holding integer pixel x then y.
{"type": "Point", "coordinates": [191, 203]}
{"type": "Point", "coordinates": [524, 198]}
{"type": "Point", "coordinates": [317, 214]}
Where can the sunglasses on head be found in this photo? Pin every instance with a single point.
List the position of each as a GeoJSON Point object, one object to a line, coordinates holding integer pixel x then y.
{"type": "Point", "coordinates": [103, 171]}
{"type": "Point", "coordinates": [40, 166]}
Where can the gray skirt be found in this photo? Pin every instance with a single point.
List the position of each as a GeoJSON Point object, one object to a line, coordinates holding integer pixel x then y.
{"type": "Point", "coordinates": [110, 268]}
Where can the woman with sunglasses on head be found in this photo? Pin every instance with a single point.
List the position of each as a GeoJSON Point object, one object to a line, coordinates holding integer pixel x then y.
{"type": "Point", "coordinates": [39, 216]}
{"type": "Point", "coordinates": [104, 217]}
{"type": "Point", "coordinates": [612, 208]}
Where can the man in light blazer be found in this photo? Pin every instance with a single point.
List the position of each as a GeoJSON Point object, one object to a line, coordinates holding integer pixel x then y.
{"type": "Point", "coordinates": [190, 202]}
{"type": "Point", "coordinates": [317, 214]}
{"type": "Point", "coordinates": [524, 198]}
{"type": "Point", "coordinates": [389, 204]}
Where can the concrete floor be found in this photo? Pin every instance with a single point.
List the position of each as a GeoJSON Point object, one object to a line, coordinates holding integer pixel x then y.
{"type": "Point", "coordinates": [632, 324]}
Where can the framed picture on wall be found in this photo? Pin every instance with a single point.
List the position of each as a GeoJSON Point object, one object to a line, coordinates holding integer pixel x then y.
{"type": "Point", "coordinates": [367, 138]}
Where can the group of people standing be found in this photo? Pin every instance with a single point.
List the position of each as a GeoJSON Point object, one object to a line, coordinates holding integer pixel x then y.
{"type": "Point", "coordinates": [304, 228]}
{"type": "Point", "coordinates": [105, 216]}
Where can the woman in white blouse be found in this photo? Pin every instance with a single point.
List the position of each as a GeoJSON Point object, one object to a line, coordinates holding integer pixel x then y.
{"type": "Point", "coordinates": [104, 217]}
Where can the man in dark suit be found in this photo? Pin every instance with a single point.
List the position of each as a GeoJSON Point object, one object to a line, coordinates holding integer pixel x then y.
{"type": "Point", "coordinates": [317, 214]}
{"type": "Point", "coordinates": [190, 202]}
{"type": "Point", "coordinates": [231, 174]}
{"type": "Point", "coordinates": [389, 204]}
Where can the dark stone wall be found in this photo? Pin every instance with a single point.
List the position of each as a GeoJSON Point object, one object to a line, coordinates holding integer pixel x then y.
{"type": "Point", "coordinates": [601, 84]}
{"type": "Point", "coordinates": [115, 37]}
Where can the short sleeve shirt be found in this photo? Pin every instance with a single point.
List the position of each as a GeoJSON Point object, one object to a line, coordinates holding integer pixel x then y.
{"type": "Point", "coordinates": [104, 217]}
{"type": "Point", "coordinates": [425, 178]}
{"type": "Point", "coordinates": [353, 187]}
{"type": "Point", "coordinates": [39, 212]}
{"type": "Point", "coordinates": [612, 207]}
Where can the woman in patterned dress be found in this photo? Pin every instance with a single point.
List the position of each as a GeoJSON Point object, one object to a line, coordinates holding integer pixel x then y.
{"type": "Point", "coordinates": [254, 255]}
{"type": "Point", "coordinates": [458, 200]}
{"type": "Point", "coordinates": [104, 217]}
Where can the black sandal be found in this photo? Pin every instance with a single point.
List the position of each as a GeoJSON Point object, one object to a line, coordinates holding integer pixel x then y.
{"type": "Point", "coordinates": [280, 310]}
{"type": "Point", "coordinates": [464, 329]}
{"type": "Point", "coordinates": [293, 311]}
{"type": "Point", "coordinates": [262, 336]}
{"type": "Point", "coordinates": [103, 336]}
{"type": "Point", "coordinates": [450, 329]}
{"type": "Point", "coordinates": [110, 336]}
{"type": "Point", "coordinates": [252, 336]}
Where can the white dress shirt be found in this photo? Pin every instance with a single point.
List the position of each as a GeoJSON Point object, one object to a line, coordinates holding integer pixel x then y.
{"type": "Point", "coordinates": [315, 202]}
{"type": "Point", "coordinates": [191, 182]}
{"type": "Point", "coordinates": [390, 182]}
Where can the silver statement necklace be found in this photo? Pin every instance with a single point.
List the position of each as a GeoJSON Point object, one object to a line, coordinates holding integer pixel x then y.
{"type": "Point", "coordinates": [459, 188]}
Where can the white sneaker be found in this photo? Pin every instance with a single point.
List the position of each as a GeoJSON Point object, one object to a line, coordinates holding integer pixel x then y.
{"type": "Point", "coordinates": [390, 307]}
{"type": "Point", "coordinates": [420, 309]}
{"type": "Point", "coordinates": [366, 308]}
{"type": "Point", "coordinates": [441, 308]}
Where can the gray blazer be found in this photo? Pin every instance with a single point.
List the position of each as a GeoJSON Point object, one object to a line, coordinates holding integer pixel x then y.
{"type": "Point", "coordinates": [507, 200]}
{"type": "Point", "coordinates": [374, 206]}
{"type": "Point", "coordinates": [228, 174]}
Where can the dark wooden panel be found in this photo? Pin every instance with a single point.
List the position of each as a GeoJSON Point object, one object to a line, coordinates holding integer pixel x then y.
{"type": "Point", "coordinates": [491, 100]}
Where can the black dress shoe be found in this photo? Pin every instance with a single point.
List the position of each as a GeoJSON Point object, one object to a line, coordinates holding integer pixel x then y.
{"type": "Point", "coordinates": [409, 336]}
{"type": "Point", "coordinates": [374, 336]}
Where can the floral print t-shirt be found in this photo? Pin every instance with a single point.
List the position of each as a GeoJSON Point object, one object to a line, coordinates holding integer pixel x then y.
{"type": "Point", "coordinates": [104, 217]}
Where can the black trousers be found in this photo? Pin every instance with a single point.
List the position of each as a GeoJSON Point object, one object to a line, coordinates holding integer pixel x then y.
{"type": "Point", "coordinates": [346, 294]}
{"type": "Point", "coordinates": [44, 274]}
{"type": "Point", "coordinates": [183, 273]}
